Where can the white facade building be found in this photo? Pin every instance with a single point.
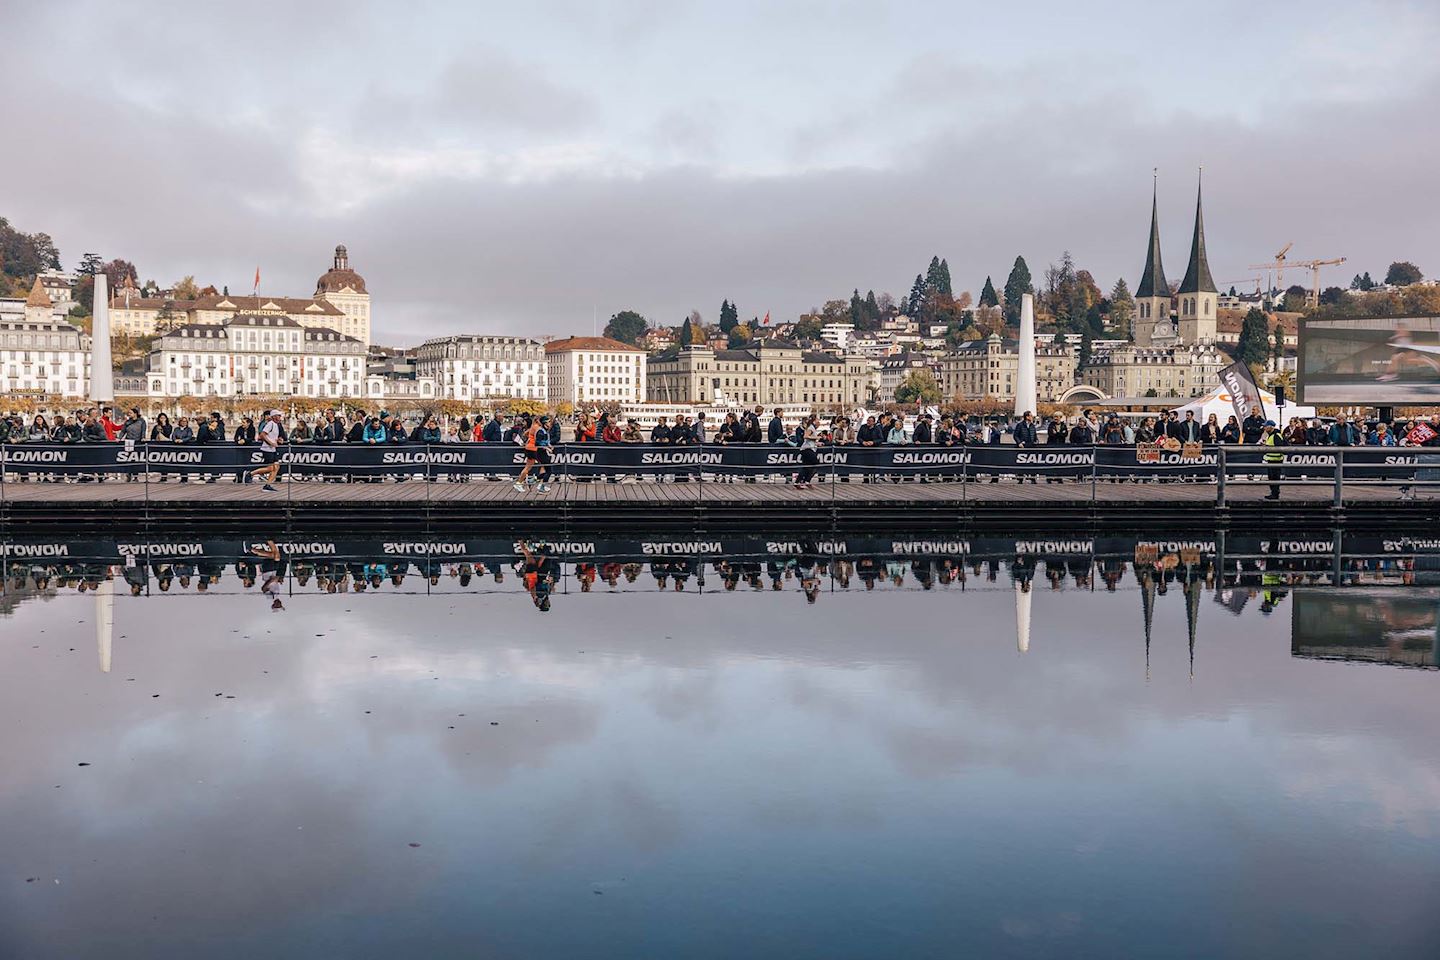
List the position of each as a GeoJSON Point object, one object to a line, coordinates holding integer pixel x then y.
{"type": "Point", "coordinates": [594, 370]}
{"type": "Point", "coordinates": [838, 334]}
{"type": "Point", "coordinates": [44, 356]}
{"type": "Point", "coordinates": [476, 367]}
{"type": "Point", "coordinates": [270, 355]}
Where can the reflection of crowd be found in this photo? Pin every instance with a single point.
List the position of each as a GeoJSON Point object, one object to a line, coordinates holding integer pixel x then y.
{"type": "Point", "coordinates": [809, 572]}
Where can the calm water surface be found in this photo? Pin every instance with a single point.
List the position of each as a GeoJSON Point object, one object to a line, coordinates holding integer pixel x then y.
{"type": "Point", "coordinates": [896, 767]}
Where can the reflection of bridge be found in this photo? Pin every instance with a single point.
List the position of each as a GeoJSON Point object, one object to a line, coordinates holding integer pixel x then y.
{"type": "Point", "coordinates": [1241, 572]}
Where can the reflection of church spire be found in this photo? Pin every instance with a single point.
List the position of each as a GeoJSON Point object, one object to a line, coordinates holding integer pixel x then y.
{"type": "Point", "coordinates": [1147, 609]}
{"type": "Point", "coordinates": [1023, 597]}
{"type": "Point", "coordinates": [1192, 616]}
{"type": "Point", "coordinates": [105, 620]}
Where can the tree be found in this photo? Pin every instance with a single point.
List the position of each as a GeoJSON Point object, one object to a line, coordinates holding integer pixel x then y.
{"type": "Point", "coordinates": [1083, 360]}
{"type": "Point", "coordinates": [1254, 337]}
{"type": "Point", "coordinates": [964, 301]}
{"type": "Point", "coordinates": [1331, 295]}
{"type": "Point", "coordinates": [687, 333]}
{"type": "Point", "coordinates": [90, 264]}
{"type": "Point", "coordinates": [988, 296]}
{"type": "Point", "coordinates": [627, 326]}
{"type": "Point", "coordinates": [1122, 309]}
{"type": "Point", "coordinates": [1295, 299]}
{"type": "Point", "coordinates": [919, 386]}
{"type": "Point", "coordinates": [1278, 350]}
{"type": "Point", "coordinates": [1362, 282]}
{"type": "Point", "coordinates": [857, 309]}
{"type": "Point", "coordinates": [1016, 286]}
{"type": "Point", "coordinates": [117, 270]}
{"type": "Point", "coordinates": [1402, 273]}
{"type": "Point", "coordinates": [739, 335]}
{"type": "Point", "coordinates": [937, 278]}
{"type": "Point", "coordinates": [915, 303]}
{"type": "Point", "coordinates": [729, 316]}
{"type": "Point", "coordinates": [872, 312]}
{"type": "Point", "coordinates": [186, 288]}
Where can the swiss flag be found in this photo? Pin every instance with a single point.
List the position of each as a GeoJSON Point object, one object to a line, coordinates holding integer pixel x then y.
{"type": "Point", "coordinates": [766, 321]}
{"type": "Point", "coordinates": [257, 280]}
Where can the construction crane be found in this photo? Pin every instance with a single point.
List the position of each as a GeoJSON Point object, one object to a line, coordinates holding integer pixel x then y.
{"type": "Point", "coordinates": [1278, 265]}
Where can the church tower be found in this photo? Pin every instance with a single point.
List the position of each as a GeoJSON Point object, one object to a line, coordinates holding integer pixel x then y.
{"type": "Point", "coordinates": [1152, 293]}
{"type": "Point", "coordinates": [345, 288]}
{"type": "Point", "coordinates": [1198, 296]}
{"type": "Point", "coordinates": [38, 306]}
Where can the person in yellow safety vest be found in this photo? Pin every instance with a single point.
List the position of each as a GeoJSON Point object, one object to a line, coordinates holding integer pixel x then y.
{"type": "Point", "coordinates": [1270, 437]}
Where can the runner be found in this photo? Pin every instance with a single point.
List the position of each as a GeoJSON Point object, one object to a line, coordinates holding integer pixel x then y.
{"type": "Point", "coordinates": [537, 455]}
{"type": "Point", "coordinates": [272, 568]}
{"type": "Point", "coordinates": [269, 437]}
{"type": "Point", "coordinates": [538, 574]}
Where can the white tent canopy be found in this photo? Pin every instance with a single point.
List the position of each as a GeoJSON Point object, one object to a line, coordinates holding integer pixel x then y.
{"type": "Point", "coordinates": [1218, 402]}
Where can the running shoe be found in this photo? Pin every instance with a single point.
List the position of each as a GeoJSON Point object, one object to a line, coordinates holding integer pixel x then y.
{"type": "Point", "coordinates": [518, 486]}
{"type": "Point", "coordinates": [544, 488]}
{"type": "Point", "coordinates": [269, 488]}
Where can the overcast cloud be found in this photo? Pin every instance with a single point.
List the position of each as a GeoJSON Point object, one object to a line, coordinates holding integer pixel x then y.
{"type": "Point", "coordinates": [516, 168]}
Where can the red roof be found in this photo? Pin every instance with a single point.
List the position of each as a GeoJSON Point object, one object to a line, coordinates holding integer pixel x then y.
{"type": "Point", "coordinates": [589, 343]}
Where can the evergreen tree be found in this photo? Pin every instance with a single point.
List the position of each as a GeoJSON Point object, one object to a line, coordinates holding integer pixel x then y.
{"type": "Point", "coordinates": [988, 296]}
{"type": "Point", "coordinates": [872, 311]}
{"type": "Point", "coordinates": [944, 288]}
{"type": "Point", "coordinates": [1016, 286]}
{"type": "Point", "coordinates": [729, 316]}
{"type": "Point", "coordinates": [1254, 343]}
{"type": "Point", "coordinates": [857, 309]}
{"type": "Point", "coordinates": [90, 263]}
{"type": "Point", "coordinates": [1083, 360]}
{"type": "Point", "coordinates": [1122, 309]}
{"type": "Point", "coordinates": [1279, 349]}
{"type": "Point", "coordinates": [915, 304]}
{"type": "Point", "coordinates": [687, 333]}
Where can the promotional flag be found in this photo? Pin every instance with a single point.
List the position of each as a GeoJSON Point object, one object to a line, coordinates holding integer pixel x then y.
{"type": "Point", "coordinates": [1419, 434]}
{"type": "Point", "coordinates": [1244, 392]}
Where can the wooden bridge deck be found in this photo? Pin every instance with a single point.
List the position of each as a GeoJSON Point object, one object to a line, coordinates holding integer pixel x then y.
{"type": "Point", "coordinates": [698, 504]}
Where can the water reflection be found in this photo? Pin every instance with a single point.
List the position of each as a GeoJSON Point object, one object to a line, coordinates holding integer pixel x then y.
{"type": "Point", "coordinates": [952, 749]}
{"type": "Point", "coordinates": [1239, 574]}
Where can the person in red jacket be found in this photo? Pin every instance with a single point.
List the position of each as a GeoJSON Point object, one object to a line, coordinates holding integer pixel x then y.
{"type": "Point", "coordinates": [107, 420]}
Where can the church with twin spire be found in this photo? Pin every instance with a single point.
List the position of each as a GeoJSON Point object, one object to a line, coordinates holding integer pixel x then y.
{"type": "Point", "coordinates": [1181, 317]}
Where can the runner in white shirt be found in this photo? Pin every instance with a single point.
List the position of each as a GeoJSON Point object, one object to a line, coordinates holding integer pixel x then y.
{"type": "Point", "coordinates": [269, 437]}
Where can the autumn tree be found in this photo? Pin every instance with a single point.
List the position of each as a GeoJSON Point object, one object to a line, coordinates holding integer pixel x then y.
{"type": "Point", "coordinates": [186, 288]}
{"type": "Point", "coordinates": [919, 386]}
{"type": "Point", "coordinates": [739, 335]}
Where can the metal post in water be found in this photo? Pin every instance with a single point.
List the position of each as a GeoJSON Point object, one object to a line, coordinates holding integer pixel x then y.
{"type": "Point", "coordinates": [1220, 477]}
{"type": "Point", "coordinates": [1339, 477]}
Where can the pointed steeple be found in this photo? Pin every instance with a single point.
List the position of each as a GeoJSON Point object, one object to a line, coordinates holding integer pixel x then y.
{"type": "Point", "coordinates": [1152, 281]}
{"type": "Point", "coordinates": [38, 297]}
{"type": "Point", "coordinates": [1197, 274]}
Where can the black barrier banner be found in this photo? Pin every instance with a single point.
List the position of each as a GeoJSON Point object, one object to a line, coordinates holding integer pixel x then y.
{"type": "Point", "coordinates": [589, 460]}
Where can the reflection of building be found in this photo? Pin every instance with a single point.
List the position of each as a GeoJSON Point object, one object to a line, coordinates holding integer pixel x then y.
{"type": "Point", "coordinates": [470, 367]}
{"type": "Point", "coordinates": [767, 372]}
{"type": "Point", "coordinates": [1380, 626]}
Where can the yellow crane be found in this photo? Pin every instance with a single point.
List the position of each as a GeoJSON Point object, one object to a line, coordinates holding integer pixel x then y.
{"type": "Point", "coordinates": [1278, 265]}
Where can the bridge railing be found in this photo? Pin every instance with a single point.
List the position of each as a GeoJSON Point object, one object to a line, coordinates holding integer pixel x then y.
{"type": "Point", "coordinates": [174, 471]}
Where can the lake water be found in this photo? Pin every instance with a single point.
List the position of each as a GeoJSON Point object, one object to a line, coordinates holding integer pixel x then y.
{"type": "Point", "coordinates": [784, 748]}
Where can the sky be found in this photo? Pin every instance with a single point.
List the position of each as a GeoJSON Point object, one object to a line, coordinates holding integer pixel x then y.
{"type": "Point", "coordinates": [527, 168]}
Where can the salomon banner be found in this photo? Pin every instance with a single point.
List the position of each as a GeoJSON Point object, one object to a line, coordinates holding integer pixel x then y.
{"type": "Point", "coordinates": [733, 462]}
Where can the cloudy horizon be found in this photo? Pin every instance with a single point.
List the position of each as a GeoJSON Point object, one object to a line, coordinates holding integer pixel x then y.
{"type": "Point", "coordinates": [495, 169]}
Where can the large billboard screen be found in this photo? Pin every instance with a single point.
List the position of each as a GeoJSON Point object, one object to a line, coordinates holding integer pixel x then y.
{"type": "Point", "coordinates": [1380, 361]}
